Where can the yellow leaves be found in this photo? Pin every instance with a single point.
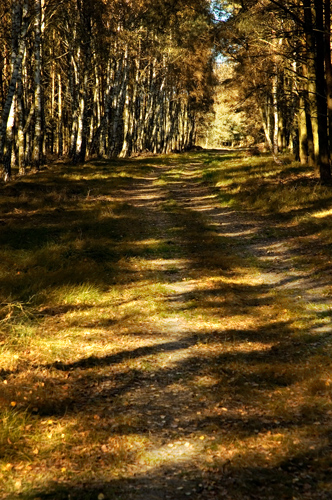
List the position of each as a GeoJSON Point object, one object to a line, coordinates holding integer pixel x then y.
{"type": "Point", "coordinates": [18, 484]}
{"type": "Point", "coordinates": [47, 422]}
{"type": "Point", "coordinates": [13, 404]}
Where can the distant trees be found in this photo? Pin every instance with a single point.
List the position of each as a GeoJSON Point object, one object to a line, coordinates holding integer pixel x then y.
{"type": "Point", "coordinates": [101, 77]}
{"type": "Point", "coordinates": [282, 55]}
{"type": "Point", "coordinates": [226, 126]}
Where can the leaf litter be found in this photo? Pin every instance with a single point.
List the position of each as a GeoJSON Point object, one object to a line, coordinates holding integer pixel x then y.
{"type": "Point", "coordinates": [189, 368]}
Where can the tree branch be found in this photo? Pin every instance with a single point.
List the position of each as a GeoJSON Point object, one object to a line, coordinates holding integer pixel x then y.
{"type": "Point", "coordinates": [283, 7]}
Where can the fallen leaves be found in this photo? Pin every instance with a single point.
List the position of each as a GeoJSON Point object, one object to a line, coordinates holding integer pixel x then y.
{"type": "Point", "coordinates": [175, 369]}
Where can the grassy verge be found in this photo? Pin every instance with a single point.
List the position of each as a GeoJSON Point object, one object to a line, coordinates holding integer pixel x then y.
{"type": "Point", "coordinates": [72, 285]}
{"type": "Point", "coordinates": [287, 191]}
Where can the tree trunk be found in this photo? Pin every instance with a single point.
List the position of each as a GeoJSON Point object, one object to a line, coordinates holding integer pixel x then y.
{"type": "Point", "coordinates": [328, 65]}
{"type": "Point", "coordinates": [38, 134]}
{"type": "Point", "coordinates": [20, 127]}
{"type": "Point", "coordinates": [20, 32]}
{"type": "Point", "coordinates": [324, 156]}
{"type": "Point", "coordinates": [85, 107]}
{"type": "Point", "coordinates": [119, 97]}
{"type": "Point", "coordinates": [265, 123]}
{"type": "Point", "coordinates": [59, 135]}
{"type": "Point", "coordinates": [303, 135]}
{"type": "Point", "coordinates": [73, 88]}
{"type": "Point", "coordinates": [275, 113]}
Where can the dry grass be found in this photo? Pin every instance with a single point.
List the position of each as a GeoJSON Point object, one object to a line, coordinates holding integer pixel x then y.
{"type": "Point", "coordinates": [160, 334]}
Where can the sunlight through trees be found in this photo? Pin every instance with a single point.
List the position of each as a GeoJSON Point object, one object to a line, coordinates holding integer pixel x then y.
{"type": "Point", "coordinates": [282, 55]}
{"type": "Point", "coordinates": [83, 78]}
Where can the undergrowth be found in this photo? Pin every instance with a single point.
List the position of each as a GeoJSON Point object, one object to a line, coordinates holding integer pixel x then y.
{"type": "Point", "coordinates": [260, 184]}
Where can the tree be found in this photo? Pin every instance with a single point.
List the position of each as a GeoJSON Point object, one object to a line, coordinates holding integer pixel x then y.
{"type": "Point", "coordinates": [283, 55]}
{"type": "Point", "coordinates": [101, 77]}
{"type": "Point", "coordinates": [20, 24]}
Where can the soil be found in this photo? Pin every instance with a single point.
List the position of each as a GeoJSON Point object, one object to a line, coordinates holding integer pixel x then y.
{"type": "Point", "coordinates": [185, 469]}
{"type": "Point", "coordinates": [199, 415]}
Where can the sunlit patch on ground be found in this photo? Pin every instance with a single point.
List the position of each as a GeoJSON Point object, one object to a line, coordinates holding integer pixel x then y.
{"type": "Point", "coordinates": [159, 337]}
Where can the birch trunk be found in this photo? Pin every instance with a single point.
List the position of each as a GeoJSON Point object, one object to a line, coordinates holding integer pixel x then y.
{"type": "Point", "coordinates": [38, 139]}
{"type": "Point", "coordinates": [73, 84]}
{"type": "Point", "coordinates": [8, 147]}
{"type": "Point", "coordinates": [275, 114]}
{"type": "Point", "coordinates": [20, 35]}
{"type": "Point", "coordinates": [86, 95]}
{"type": "Point", "coordinates": [302, 128]}
{"type": "Point", "coordinates": [265, 123]}
{"type": "Point", "coordinates": [120, 91]}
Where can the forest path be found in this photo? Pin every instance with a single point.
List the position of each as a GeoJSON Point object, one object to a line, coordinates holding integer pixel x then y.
{"type": "Point", "coordinates": [199, 370]}
{"type": "Point", "coordinates": [222, 353]}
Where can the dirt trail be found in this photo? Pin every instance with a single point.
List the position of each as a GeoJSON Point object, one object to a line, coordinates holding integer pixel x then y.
{"type": "Point", "coordinates": [208, 391]}
{"type": "Point", "coordinates": [276, 257]}
{"type": "Point", "coordinates": [206, 421]}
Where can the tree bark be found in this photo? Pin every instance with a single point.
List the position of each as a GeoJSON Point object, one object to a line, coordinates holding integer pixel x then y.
{"type": "Point", "coordinates": [324, 156]}
{"type": "Point", "coordinates": [38, 134]}
{"type": "Point", "coordinates": [20, 33]}
{"type": "Point", "coordinates": [328, 65]}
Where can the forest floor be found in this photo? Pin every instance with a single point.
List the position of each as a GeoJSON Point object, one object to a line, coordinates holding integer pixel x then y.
{"type": "Point", "coordinates": [166, 331]}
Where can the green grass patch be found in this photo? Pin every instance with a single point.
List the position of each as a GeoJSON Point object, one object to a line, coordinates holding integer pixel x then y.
{"type": "Point", "coordinates": [260, 184]}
